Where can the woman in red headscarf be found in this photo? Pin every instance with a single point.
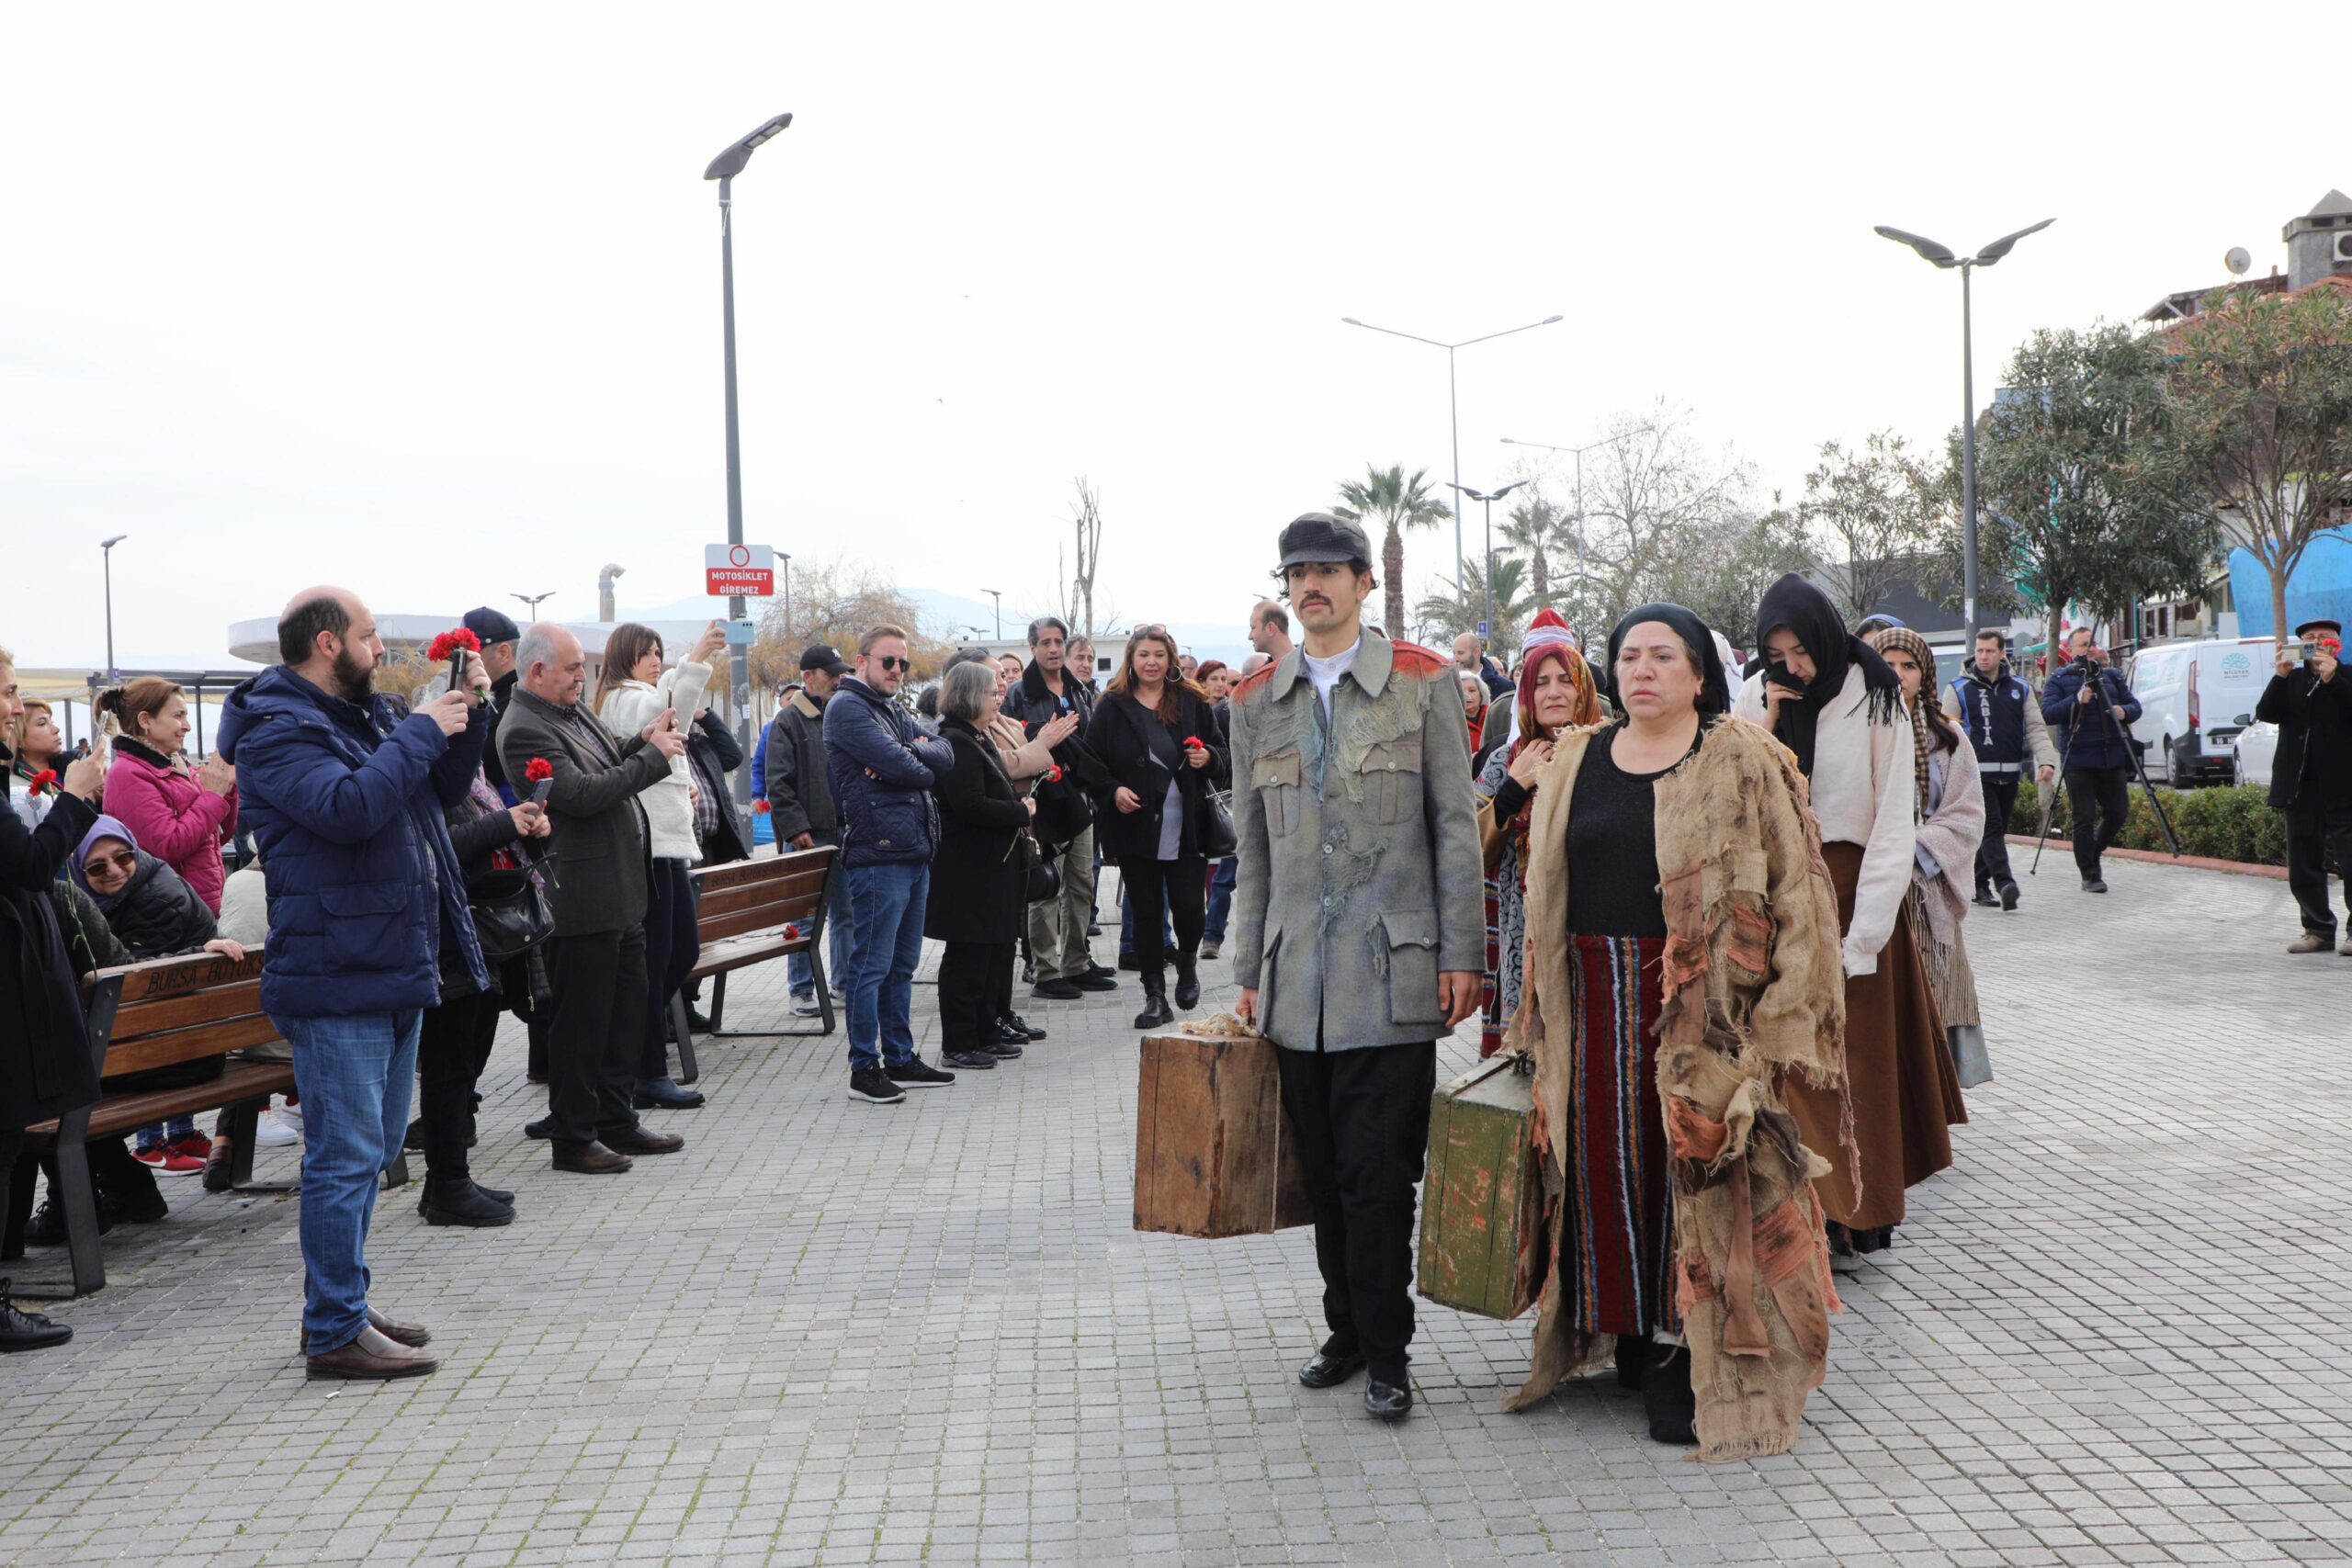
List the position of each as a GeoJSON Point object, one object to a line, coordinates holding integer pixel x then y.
{"type": "Point", "coordinates": [1555, 695]}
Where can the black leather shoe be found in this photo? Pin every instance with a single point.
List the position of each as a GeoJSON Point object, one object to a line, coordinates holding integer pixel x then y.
{"type": "Point", "coordinates": [589, 1160]}
{"type": "Point", "coordinates": [1188, 982]}
{"type": "Point", "coordinates": [663, 1094]}
{"type": "Point", "coordinates": [2094, 884]}
{"type": "Point", "coordinates": [495, 1195]}
{"type": "Point", "coordinates": [1387, 1401]}
{"type": "Point", "coordinates": [1021, 1029]}
{"type": "Point", "coordinates": [2008, 897]}
{"type": "Point", "coordinates": [542, 1128]}
{"type": "Point", "coordinates": [1094, 980]}
{"type": "Point", "coordinates": [22, 1330]}
{"type": "Point", "coordinates": [1057, 990]}
{"type": "Point", "coordinates": [459, 1202]}
{"type": "Point", "coordinates": [1327, 1370]}
{"type": "Point", "coordinates": [642, 1140]}
{"type": "Point", "coordinates": [1155, 1014]}
{"type": "Point", "coordinates": [1009, 1048]}
{"type": "Point", "coordinates": [1985, 899]}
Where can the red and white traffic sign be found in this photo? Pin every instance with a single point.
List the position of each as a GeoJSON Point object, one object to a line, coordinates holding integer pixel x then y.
{"type": "Point", "coordinates": [747, 570]}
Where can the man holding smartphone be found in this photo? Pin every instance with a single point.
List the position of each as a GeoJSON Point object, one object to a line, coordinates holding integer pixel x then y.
{"type": "Point", "coordinates": [2311, 781]}
{"type": "Point", "coordinates": [2088, 703]}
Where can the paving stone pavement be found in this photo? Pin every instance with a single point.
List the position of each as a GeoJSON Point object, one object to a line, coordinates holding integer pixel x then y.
{"type": "Point", "coordinates": [830, 1333]}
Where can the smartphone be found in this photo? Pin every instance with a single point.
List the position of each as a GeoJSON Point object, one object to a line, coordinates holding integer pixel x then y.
{"type": "Point", "coordinates": [540, 793]}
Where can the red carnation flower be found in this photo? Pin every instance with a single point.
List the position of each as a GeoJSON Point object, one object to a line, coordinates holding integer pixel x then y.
{"type": "Point", "coordinates": [1192, 740]}
{"type": "Point", "coordinates": [446, 645]}
{"type": "Point", "coordinates": [538, 768]}
{"type": "Point", "coordinates": [43, 781]}
{"type": "Point", "coordinates": [1053, 773]}
{"type": "Point", "coordinates": [760, 808]}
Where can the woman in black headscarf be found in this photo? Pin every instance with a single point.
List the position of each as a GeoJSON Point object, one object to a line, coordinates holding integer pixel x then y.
{"type": "Point", "coordinates": [1830, 698]}
{"type": "Point", "coordinates": [1681, 961]}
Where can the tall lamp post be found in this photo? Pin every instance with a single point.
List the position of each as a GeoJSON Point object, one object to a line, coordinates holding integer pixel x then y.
{"type": "Point", "coordinates": [1943, 257]}
{"type": "Point", "coordinates": [105, 553]}
{"type": "Point", "coordinates": [999, 611]}
{"type": "Point", "coordinates": [724, 168]}
{"type": "Point", "coordinates": [531, 600]}
{"type": "Point", "coordinates": [1578, 453]}
{"type": "Point", "coordinates": [1486, 627]}
{"type": "Point", "coordinates": [1453, 403]}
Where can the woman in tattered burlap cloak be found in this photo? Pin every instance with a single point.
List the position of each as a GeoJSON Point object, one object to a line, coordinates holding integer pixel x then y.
{"type": "Point", "coordinates": [1680, 1199]}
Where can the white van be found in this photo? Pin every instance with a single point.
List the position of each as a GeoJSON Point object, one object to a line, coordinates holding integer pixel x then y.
{"type": "Point", "coordinates": [2194, 698]}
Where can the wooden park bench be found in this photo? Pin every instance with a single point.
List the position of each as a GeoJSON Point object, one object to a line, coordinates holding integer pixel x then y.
{"type": "Point", "coordinates": [154, 1015]}
{"type": "Point", "coordinates": [749, 912]}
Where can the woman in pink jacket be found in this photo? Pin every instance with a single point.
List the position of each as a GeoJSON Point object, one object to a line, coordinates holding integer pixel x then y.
{"type": "Point", "coordinates": [181, 815]}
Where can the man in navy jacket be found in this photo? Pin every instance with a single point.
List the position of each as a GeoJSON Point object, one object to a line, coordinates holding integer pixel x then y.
{"type": "Point", "coordinates": [882, 769]}
{"type": "Point", "coordinates": [2005, 729]}
{"type": "Point", "coordinates": [2088, 719]}
{"type": "Point", "coordinates": [346, 800]}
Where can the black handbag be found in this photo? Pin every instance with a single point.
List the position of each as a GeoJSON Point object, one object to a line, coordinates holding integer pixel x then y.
{"type": "Point", "coordinates": [511, 911]}
{"type": "Point", "coordinates": [1041, 876]}
{"type": "Point", "coordinates": [1213, 824]}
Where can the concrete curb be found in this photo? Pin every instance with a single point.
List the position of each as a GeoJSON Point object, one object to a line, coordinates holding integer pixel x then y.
{"type": "Point", "coordinates": [2157, 857]}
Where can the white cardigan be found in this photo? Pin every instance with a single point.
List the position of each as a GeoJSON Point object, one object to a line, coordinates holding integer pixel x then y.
{"type": "Point", "coordinates": [1863, 784]}
{"type": "Point", "coordinates": [669, 804]}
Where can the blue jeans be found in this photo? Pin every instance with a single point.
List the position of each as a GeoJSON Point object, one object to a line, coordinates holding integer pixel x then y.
{"type": "Point", "coordinates": [355, 1074]}
{"type": "Point", "coordinates": [799, 973]}
{"type": "Point", "coordinates": [886, 905]}
{"type": "Point", "coordinates": [1221, 896]}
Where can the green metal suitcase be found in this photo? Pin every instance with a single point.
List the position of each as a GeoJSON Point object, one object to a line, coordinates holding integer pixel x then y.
{"type": "Point", "coordinates": [1484, 1244]}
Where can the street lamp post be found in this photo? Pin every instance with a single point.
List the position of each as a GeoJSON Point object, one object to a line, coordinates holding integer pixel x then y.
{"type": "Point", "coordinates": [724, 168]}
{"type": "Point", "coordinates": [106, 554]}
{"type": "Point", "coordinates": [531, 600]}
{"type": "Point", "coordinates": [1486, 627]}
{"type": "Point", "coordinates": [1943, 257]}
{"type": "Point", "coordinates": [1578, 453]}
{"type": "Point", "coordinates": [785, 557]}
{"type": "Point", "coordinates": [999, 611]}
{"type": "Point", "coordinates": [1453, 405]}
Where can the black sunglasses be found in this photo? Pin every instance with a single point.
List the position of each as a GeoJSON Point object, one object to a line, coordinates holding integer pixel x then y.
{"type": "Point", "coordinates": [893, 661]}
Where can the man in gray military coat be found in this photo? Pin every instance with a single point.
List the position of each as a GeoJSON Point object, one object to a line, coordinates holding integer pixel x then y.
{"type": "Point", "coordinates": [1360, 921]}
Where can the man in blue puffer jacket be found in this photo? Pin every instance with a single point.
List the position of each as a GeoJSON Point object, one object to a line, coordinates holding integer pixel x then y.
{"type": "Point", "coordinates": [882, 770]}
{"type": "Point", "coordinates": [346, 800]}
{"type": "Point", "coordinates": [2098, 765]}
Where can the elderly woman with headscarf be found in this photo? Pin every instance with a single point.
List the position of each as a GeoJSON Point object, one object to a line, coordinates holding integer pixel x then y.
{"type": "Point", "coordinates": [1830, 698]}
{"type": "Point", "coordinates": [1681, 973]}
{"type": "Point", "coordinates": [1951, 825]}
{"type": "Point", "coordinates": [1554, 694]}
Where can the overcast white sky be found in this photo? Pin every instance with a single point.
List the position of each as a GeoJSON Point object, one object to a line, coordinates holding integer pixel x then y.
{"type": "Point", "coordinates": [425, 300]}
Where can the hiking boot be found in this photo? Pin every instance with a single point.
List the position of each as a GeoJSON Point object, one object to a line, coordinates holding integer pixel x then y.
{"type": "Point", "coordinates": [2311, 942]}
{"type": "Point", "coordinates": [1155, 1014]}
{"type": "Point", "coordinates": [1188, 982]}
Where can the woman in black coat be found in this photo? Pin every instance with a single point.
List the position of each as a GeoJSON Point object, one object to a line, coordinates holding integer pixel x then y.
{"type": "Point", "coordinates": [979, 894]}
{"type": "Point", "coordinates": [45, 1067]}
{"type": "Point", "coordinates": [1156, 738]}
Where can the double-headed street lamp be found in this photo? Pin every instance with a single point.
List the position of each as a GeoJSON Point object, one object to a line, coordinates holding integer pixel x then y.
{"type": "Point", "coordinates": [1943, 257]}
{"type": "Point", "coordinates": [106, 554]}
{"type": "Point", "coordinates": [531, 600]}
{"type": "Point", "coordinates": [1486, 627]}
{"type": "Point", "coordinates": [1578, 453]}
{"type": "Point", "coordinates": [999, 611]}
{"type": "Point", "coordinates": [724, 168]}
{"type": "Point", "coordinates": [1452, 404]}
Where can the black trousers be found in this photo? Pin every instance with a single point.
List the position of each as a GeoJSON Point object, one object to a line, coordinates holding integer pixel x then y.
{"type": "Point", "coordinates": [452, 1048]}
{"type": "Point", "coordinates": [2100, 790]}
{"type": "Point", "coordinates": [11, 1224]}
{"type": "Point", "coordinates": [1993, 854]}
{"type": "Point", "coordinates": [1184, 882]}
{"type": "Point", "coordinates": [1362, 1119]}
{"type": "Point", "coordinates": [672, 944]}
{"type": "Point", "coordinates": [2311, 830]}
{"type": "Point", "coordinates": [975, 982]}
{"type": "Point", "coordinates": [595, 1032]}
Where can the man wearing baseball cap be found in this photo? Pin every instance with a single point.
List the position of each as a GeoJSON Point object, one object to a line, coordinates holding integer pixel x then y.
{"type": "Point", "coordinates": [499, 634]}
{"type": "Point", "coordinates": [800, 808]}
{"type": "Point", "coordinates": [2310, 779]}
{"type": "Point", "coordinates": [1360, 921]}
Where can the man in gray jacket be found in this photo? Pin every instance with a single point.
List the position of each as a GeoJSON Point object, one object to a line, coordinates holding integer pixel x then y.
{"type": "Point", "coordinates": [800, 806]}
{"type": "Point", "coordinates": [1361, 918]}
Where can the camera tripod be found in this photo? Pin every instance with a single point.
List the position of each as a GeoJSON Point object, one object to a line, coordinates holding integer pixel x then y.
{"type": "Point", "coordinates": [2094, 684]}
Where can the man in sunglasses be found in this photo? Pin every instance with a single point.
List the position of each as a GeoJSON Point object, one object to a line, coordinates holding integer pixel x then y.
{"type": "Point", "coordinates": [882, 770]}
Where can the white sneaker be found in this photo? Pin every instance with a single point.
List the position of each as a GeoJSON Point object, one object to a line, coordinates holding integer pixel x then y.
{"type": "Point", "coordinates": [275, 1129]}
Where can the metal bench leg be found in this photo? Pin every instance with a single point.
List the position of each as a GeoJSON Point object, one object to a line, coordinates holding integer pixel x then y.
{"type": "Point", "coordinates": [80, 1198]}
{"type": "Point", "coordinates": [244, 1125]}
{"type": "Point", "coordinates": [396, 1173]}
{"type": "Point", "coordinates": [718, 1002]}
{"type": "Point", "coordinates": [824, 990]}
{"type": "Point", "coordinates": [683, 1029]}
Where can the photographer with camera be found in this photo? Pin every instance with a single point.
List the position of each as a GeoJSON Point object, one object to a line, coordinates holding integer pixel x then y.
{"type": "Point", "coordinates": [2312, 781]}
{"type": "Point", "coordinates": [2089, 706]}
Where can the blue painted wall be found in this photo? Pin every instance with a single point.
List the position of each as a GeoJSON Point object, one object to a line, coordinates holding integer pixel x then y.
{"type": "Point", "coordinates": [2321, 586]}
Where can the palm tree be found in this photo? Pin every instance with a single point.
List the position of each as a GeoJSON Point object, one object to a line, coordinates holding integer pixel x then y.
{"type": "Point", "coordinates": [1534, 527]}
{"type": "Point", "coordinates": [1386, 498]}
{"type": "Point", "coordinates": [1448, 617]}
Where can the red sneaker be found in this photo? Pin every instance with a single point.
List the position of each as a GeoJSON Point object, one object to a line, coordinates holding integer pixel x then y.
{"type": "Point", "coordinates": [171, 1159]}
{"type": "Point", "coordinates": [196, 1145]}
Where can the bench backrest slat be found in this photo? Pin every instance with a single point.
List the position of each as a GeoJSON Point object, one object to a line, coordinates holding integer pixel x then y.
{"type": "Point", "coordinates": [163, 1048]}
{"type": "Point", "coordinates": [179, 1009]}
{"type": "Point", "coordinates": [754, 895]}
{"type": "Point", "coordinates": [800, 911]}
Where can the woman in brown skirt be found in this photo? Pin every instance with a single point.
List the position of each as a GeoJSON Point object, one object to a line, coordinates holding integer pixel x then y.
{"type": "Point", "coordinates": [1834, 701]}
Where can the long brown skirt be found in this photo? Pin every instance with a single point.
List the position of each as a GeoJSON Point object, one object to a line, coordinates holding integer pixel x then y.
{"type": "Point", "coordinates": [1907, 1095]}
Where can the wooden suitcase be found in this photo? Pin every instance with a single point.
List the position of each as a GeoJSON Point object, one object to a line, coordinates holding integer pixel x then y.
{"type": "Point", "coordinates": [1484, 1244]}
{"type": "Point", "coordinates": [1214, 1151]}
